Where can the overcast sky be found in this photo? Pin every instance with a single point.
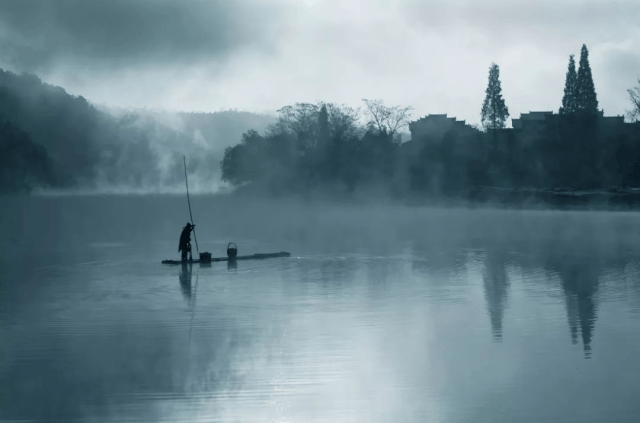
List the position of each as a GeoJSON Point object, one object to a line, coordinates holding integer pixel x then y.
{"type": "Point", "coordinates": [258, 55]}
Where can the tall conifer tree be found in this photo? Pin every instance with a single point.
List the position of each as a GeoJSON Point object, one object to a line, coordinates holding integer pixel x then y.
{"type": "Point", "coordinates": [494, 110]}
{"type": "Point", "coordinates": [570, 89]}
{"type": "Point", "coordinates": [586, 91]}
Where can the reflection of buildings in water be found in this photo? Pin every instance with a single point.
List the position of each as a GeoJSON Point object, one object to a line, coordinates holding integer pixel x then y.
{"type": "Point", "coordinates": [496, 286]}
{"type": "Point", "coordinates": [185, 281]}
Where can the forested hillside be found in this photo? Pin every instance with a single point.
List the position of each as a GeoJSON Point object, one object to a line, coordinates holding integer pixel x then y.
{"type": "Point", "coordinates": [51, 139]}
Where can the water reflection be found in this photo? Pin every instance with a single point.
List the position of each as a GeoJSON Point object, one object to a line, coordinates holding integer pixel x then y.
{"type": "Point", "coordinates": [341, 331]}
{"type": "Point", "coordinates": [337, 271]}
{"type": "Point", "coordinates": [579, 281]}
{"type": "Point", "coordinates": [496, 286]}
{"type": "Point", "coordinates": [580, 262]}
{"type": "Point", "coordinates": [232, 265]}
{"type": "Point", "coordinates": [185, 281]}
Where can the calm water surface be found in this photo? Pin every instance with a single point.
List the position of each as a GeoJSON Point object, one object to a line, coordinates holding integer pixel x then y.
{"type": "Point", "coordinates": [382, 314]}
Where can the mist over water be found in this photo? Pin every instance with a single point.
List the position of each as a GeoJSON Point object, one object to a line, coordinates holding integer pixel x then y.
{"type": "Point", "coordinates": [427, 281]}
{"type": "Point", "coordinates": [383, 313]}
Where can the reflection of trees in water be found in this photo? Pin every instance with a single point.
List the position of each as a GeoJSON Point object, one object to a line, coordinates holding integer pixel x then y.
{"type": "Point", "coordinates": [571, 305]}
{"type": "Point", "coordinates": [580, 285]}
{"type": "Point", "coordinates": [496, 287]}
{"type": "Point", "coordinates": [578, 261]}
{"type": "Point", "coordinates": [580, 266]}
{"type": "Point", "coordinates": [578, 255]}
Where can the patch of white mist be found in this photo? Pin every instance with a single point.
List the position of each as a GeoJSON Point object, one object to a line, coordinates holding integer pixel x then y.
{"type": "Point", "coordinates": [148, 157]}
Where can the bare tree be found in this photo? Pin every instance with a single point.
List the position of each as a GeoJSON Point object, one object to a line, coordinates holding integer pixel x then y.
{"type": "Point", "coordinates": [634, 96]}
{"type": "Point", "coordinates": [344, 121]}
{"type": "Point", "coordinates": [300, 120]}
{"type": "Point", "coordinates": [387, 119]}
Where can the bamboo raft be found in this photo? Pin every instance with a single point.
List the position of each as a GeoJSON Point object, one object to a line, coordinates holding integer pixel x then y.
{"type": "Point", "coordinates": [232, 248]}
{"type": "Point", "coordinates": [259, 256]}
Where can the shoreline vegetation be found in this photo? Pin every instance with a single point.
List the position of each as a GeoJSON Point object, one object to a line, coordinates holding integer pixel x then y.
{"type": "Point", "coordinates": [52, 143]}
{"type": "Point", "coordinates": [576, 158]}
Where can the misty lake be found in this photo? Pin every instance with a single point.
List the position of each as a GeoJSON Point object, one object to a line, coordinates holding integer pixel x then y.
{"type": "Point", "coordinates": [382, 313]}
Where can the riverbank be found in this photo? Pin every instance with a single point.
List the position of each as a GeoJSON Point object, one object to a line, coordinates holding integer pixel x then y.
{"type": "Point", "coordinates": [613, 199]}
{"type": "Point", "coordinates": [597, 199]}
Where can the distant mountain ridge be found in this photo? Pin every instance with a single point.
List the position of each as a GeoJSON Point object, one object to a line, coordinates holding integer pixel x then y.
{"type": "Point", "coordinates": [87, 147]}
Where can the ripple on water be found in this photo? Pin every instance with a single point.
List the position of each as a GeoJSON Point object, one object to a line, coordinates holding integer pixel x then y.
{"type": "Point", "coordinates": [476, 326]}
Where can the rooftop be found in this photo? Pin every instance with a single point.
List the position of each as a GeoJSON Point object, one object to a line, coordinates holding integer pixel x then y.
{"type": "Point", "coordinates": [535, 115]}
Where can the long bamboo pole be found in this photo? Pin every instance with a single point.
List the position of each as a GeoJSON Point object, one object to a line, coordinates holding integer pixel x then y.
{"type": "Point", "coordinates": [189, 201]}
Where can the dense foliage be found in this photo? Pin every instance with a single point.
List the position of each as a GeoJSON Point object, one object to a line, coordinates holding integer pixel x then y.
{"type": "Point", "coordinates": [317, 147]}
{"type": "Point", "coordinates": [570, 98]}
{"type": "Point", "coordinates": [586, 99]}
{"type": "Point", "coordinates": [23, 164]}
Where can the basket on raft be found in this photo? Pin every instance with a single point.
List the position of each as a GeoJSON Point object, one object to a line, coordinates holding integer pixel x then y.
{"type": "Point", "coordinates": [232, 251]}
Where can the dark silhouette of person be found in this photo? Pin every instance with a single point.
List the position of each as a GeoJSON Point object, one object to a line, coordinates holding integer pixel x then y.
{"type": "Point", "coordinates": [185, 242]}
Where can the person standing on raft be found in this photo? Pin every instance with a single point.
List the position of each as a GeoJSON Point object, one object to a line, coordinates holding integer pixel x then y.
{"type": "Point", "coordinates": [185, 242]}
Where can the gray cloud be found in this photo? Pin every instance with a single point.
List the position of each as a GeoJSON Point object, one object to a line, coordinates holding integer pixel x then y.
{"type": "Point", "coordinates": [532, 41]}
{"type": "Point", "coordinates": [262, 54]}
{"type": "Point", "coordinates": [37, 35]}
{"type": "Point", "coordinates": [553, 23]}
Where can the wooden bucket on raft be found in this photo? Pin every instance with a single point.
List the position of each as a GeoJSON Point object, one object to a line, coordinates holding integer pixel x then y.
{"type": "Point", "coordinates": [232, 250]}
{"type": "Point", "coordinates": [205, 257]}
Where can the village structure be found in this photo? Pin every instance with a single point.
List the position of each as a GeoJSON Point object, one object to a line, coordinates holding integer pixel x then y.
{"type": "Point", "coordinates": [525, 129]}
